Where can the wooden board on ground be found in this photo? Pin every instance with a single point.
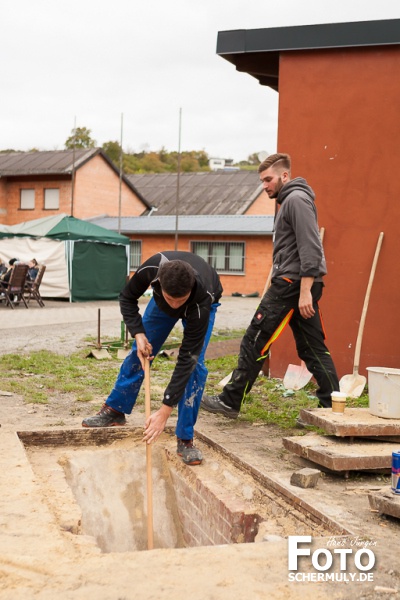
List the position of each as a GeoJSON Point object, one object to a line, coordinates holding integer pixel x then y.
{"type": "Point", "coordinates": [385, 502]}
{"type": "Point", "coordinates": [354, 422]}
{"type": "Point", "coordinates": [340, 454]}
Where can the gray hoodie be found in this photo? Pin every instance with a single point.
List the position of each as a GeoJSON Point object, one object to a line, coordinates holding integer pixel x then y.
{"type": "Point", "coordinates": [298, 249]}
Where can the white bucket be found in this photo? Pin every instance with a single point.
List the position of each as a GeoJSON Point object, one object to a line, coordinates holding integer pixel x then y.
{"type": "Point", "coordinates": [384, 392]}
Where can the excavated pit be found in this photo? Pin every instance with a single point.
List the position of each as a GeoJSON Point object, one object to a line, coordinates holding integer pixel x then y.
{"type": "Point", "coordinates": [95, 484]}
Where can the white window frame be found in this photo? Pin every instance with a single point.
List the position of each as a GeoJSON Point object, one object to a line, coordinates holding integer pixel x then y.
{"type": "Point", "coordinates": [27, 199]}
{"type": "Point", "coordinates": [135, 250]}
{"type": "Point", "coordinates": [218, 254]}
{"type": "Point", "coordinates": [51, 199]}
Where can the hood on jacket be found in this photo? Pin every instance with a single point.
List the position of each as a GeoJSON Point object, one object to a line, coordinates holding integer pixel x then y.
{"type": "Point", "coordinates": [298, 183]}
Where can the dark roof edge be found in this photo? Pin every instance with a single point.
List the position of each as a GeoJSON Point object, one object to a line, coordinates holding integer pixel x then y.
{"type": "Point", "coordinates": [309, 37]}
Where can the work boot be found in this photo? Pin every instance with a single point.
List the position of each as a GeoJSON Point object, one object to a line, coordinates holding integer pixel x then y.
{"type": "Point", "coordinates": [215, 405]}
{"type": "Point", "coordinates": [190, 454]}
{"type": "Point", "coordinates": [106, 417]}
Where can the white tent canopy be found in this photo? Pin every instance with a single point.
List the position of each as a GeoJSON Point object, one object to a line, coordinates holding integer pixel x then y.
{"type": "Point", "coordinates": [49, 252]}
{"type": "Point", "coordinates": [83, 261]}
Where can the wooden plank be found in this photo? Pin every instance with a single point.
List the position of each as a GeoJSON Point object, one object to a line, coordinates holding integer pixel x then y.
{"type": "Point", "coordinates": [85, 436]}
{"type": "Point", "coordinates": [341, 455]}
{"type": "Point", "coordinates": [385, 502]}
{"type": "Point", "coordinates": [354, 422]}
{"type": "Point", "coordinates": [82, 436]}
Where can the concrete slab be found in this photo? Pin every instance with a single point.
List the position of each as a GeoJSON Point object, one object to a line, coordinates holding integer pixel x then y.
{"type": "Point", "coordinates": [385, 502]}
{"type": "Point", "coordinates": [354, 422]}
{"type": "Point", "coordinates": [340, 454]}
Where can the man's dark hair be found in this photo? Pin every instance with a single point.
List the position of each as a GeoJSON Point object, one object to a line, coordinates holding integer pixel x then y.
{"type": "Point", "coordinates": [12, 261]}
{"type": "Point", "coordinates": [279, 161]}
{"type": "Point", "coordinates": [176, 278]}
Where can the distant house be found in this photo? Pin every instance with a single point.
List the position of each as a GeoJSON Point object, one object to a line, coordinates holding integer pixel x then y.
{"type": "Point", "coordinates": [80, 183]}
{"type": "Point", "coordinates": [221, 163]}
{"type": "Point", "coordinates": [238, 246]}
{"type": "Point", "coordinates": [207, 193]}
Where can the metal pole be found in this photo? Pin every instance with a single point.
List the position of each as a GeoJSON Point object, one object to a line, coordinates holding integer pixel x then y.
{"type": "Point", "coordinates": [120, 179]}
{"type": "Point", "coordinates": [73, 171]}
{"type": "Point", "coordinates": [178, 181]}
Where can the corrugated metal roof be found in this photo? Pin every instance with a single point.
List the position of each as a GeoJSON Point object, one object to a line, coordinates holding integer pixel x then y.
{"type": "Point", "coordinates": [43, 163]}
{"type": "Point", "coordinates": [207, 224]}
{"type": "Point", "coordinates": [207, 193]}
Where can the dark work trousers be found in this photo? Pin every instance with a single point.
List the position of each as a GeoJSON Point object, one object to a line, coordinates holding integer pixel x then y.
{"type": "Point", "coordinates": [279, 307]}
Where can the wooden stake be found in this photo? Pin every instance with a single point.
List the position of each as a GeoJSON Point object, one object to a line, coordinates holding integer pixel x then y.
{"type": "Point", "coordinates": [148, 460]}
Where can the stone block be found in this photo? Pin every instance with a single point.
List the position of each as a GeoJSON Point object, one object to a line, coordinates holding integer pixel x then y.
{"type": "Point", "coordinates": [305, 478]}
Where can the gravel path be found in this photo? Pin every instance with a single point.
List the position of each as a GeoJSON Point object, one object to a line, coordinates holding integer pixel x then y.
{"type": "Point", "coordinates": [63, 327]}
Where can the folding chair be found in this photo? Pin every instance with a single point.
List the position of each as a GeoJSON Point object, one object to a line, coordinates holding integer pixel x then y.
{"type": "Point", "coordinates": [15, 286]}
{"type": "Point", "coordinates": [32, 287]}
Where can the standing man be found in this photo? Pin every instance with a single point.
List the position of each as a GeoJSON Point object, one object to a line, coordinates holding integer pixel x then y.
{"type": "Point", "coordinates": [296, 287]}
{"type": "Point", "coordinates": [184, 287]}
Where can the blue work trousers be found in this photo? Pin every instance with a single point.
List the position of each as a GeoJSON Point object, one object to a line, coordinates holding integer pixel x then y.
{"type": "Point", "coordinates": [158, 325]}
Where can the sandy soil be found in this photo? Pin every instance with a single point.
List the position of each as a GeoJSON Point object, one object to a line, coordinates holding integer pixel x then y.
{"type": "Point", "coordinates": [43, 557]}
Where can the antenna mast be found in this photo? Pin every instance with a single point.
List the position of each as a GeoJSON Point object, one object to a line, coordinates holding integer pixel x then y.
{"type": "Point", "coordinates": [73, 170]}
{"type": "Point", "coordinates": [178, 180]}
{"type": "Point", "coordinates": [120, 178]}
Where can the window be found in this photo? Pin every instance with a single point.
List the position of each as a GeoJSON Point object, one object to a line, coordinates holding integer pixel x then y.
{"type": "Point", "coordinates": [51, 199]}
{"type": "Point", "coordinates": [27, 199]}
{"type": "Point", "coordinates": [226, 257]}
{"type": "Point", "coordinates": [135, 258]}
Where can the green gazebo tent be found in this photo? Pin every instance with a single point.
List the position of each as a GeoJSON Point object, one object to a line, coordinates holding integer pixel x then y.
{"type": "Point", "coordinates": [84, 261]}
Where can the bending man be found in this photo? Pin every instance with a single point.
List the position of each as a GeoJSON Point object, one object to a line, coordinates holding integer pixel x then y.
{"type": "Point", "coordinates": [184, 287]}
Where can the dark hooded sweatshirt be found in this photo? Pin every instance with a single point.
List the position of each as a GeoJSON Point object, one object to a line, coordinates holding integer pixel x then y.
{"type": "Point", "coordinates": [195, 311]}
{"type": "Point", "coordinates": [298, 249]}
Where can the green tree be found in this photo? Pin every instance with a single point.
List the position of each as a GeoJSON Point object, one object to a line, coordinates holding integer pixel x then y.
{"type": "Point", "coordinates": [113, 151]}
{"type": "Point", "coordinates": [151, 163]}
{"type": "Point", "coordinates": [189, 164]}
{"type": "Point", "coordinates": [80, 138]}
{"type": "Point", "coordinates": [131, 164]}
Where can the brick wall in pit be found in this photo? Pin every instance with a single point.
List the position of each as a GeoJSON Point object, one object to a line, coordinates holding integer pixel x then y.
{"type": "Point", "coordinates": [209, 515]}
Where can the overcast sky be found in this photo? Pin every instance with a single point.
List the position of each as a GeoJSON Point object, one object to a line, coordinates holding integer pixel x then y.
{"type": "Point", "coordinates": [95, 60]}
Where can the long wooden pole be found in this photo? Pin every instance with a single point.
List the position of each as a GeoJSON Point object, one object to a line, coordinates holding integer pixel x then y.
{"type": "Point", "coordinates": [150, 543]}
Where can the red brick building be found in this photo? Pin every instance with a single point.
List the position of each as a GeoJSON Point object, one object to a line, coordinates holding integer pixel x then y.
{"type": "Point", "coordinates": [80, 183]}
{"type": "Point", "coordinates": [238, 246]}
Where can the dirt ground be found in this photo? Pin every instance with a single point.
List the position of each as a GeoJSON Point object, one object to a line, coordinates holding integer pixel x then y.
{"type": "Point", "coordinates": [39, 558]}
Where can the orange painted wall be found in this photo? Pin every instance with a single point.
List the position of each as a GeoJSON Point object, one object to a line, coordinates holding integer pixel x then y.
{"type": "Point", "coordinates": [339, 120]}
{"type": "Point", "coordinates": [257, 266]}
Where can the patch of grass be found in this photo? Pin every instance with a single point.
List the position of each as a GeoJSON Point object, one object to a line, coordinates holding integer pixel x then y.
{"type": "Point", "coordinates": [84, 397]}
{"type": "Point", "coordinates": [361, 402]}
{"type": "Point", "coordinates": [226, 334]}
{"type": "Point", "coordinates": [41, 376]}
{"type": "Point", "coordinates": [269, 402]}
